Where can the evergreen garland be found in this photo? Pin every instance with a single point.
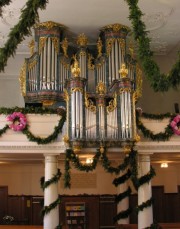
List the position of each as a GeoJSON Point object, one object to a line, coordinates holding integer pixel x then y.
{"type": "Point", "coordinates": [123, 195]}
{"type": "Point", "coordinates": [107, 164]}
{"type": "Point", "coordinates": [122, 179]}
{"type": "Point", "coordinates": [67, 177]}
{"type": "Point", "coordinates": [146, 204]}
{"type": "Point", "coordinates": [53, 180]}
{"type": "Point", "coordinates": [162, 136]}
{"type": "Point", "coordinates": [158, 81]}
{"type": "Point", "coordinates": [146, 178]}
{"type": "Point", "coordinates": [123, 214]}
{"type": "Point", "coordinates": [47, 209]}
{"type": "Point", "coordinates": [42, 111]}
{"type": "Point", "coordinates": [3, 130]}
{"type": "Point", "coordinates": [29, 16]}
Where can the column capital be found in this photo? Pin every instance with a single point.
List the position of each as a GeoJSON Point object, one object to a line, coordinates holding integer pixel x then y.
{"type": "Point", "coordinates": [52, 158]}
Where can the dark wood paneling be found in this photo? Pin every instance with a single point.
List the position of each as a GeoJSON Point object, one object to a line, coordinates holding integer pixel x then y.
{"type": "Point", "coordinates": [92, 209]}
{"type": "Point", "coordinates": [37, 205]}
{"type": "Point", "coordinates": [158, 204]}
{"type": "Point", "coordinates": [3, 202]}
{"type": "Point", "coordinates": [133, 201]}
{"type": "Point", "coordinates": [108, 210]}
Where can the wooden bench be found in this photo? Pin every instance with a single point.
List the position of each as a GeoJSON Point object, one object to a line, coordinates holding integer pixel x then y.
{"type": "Point", "coordinates": [20, 227]}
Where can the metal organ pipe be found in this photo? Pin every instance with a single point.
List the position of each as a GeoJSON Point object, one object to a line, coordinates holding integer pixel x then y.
{"type": "Point", "coordinates": [116, 59]}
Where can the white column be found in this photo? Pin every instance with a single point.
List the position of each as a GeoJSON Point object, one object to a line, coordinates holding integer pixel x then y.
{"type": "Point", "coordinates": [145, 217]}
{"type": "Point", "coordinates": [123, 205]}
{"type": "Point", "coordinates": [51, 220]}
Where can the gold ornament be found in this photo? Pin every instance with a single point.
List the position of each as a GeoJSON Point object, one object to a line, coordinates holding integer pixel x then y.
{"type": "Point", "coordinates": [123, 71]}
{"type": "Point", "coordinates": [101, 88]}
{"type": "Point", "coordinates": [65, 46]}
{"type": "Point", "coordinates": [31, 46]}
{"type": "Point", "coordinates": [22, 79]}
{"type": "Point", "coordinates": [99, 47]}
{"type": "Point", "coordinates": [82, 40]}
{"type": "Point", "coordinates": [126, 149]}
{"type": "Point", "coordinates": [75, 70]}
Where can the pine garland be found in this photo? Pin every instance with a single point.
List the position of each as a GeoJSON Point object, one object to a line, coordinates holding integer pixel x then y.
{"type": "Point", "coordinates": [146, 204]}
{"type": "Point", "coordinates": [107, 164]}
{"type": "Point", "coordinates": [80, 166]}
{"type": "Point", "coordinates": [53, 180]}
{"type": "Point", "coordinates": [122, 179]}
{"type": "Point", "coordinates": [123, 195]}
{"type": "Point", "coordinates": [31, 110]}
{"type": "Point", "coordinates": [162, 136]}
{"type": "Point", "coordinates": [47, 209]}
{"type": "Point", "coordinates": [67, 176]}
{"type": "Point", "coordinates": [147, 177]}
{"type": "Point", "coordinates": [159, 82]}
{"type": "Point", "coordinates": [123, 214]}
{"type": "Point", "coordinates": [29, 16]}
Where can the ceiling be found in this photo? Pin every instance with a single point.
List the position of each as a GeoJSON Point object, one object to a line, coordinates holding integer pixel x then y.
{"type": "Point", "coordinates": [81, 16]}
{"type": "Point", "coordinates": [160, 16]}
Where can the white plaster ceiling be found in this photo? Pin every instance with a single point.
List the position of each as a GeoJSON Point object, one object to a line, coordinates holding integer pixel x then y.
{"type": "Point", "coordinates": [81, 16]}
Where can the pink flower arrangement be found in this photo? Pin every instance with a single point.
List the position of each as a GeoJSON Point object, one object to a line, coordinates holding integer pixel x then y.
{"type": "Point", "coordinates": [18, 121]}
{"type": "Point", "coordinates": [174, 125]}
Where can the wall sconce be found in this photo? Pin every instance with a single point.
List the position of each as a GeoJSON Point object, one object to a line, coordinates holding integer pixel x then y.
{"type": "Point", "coordinates": [164, 165]}
{"type": "Point", "coordinates": [89, 160]}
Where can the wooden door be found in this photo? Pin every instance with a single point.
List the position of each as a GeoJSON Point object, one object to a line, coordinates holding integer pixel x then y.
{"type": "Point", "coordinates": [3, 202]}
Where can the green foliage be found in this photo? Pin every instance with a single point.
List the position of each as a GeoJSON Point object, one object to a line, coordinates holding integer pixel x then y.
{"type": "Point", "coordinates": [123, 214]}
{"type": "Point", "coordinates": [123, 195]}
{"type": "Point", "coordinates": [146, 204]}
{"type": "Point", "coordinates": [53, 180]}
{"type": "Point", "coordinates": [158, 81]}
{"type": "Point", "coordinates": [26, 131]}
{"type": "Point", "coordinates": [122, 179]}
{"type": "Point", "coordinates": [47, 209]}
{"type": "Point", "coordinates": [162, 136]}
{"type": "Point", "coordinates": [29, 16]}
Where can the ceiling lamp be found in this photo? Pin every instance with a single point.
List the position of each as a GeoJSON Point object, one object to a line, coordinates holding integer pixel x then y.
{"type": "Point", "coordinates": [89, 160]}
{"type": "Point", "coordinates": [164, 165]}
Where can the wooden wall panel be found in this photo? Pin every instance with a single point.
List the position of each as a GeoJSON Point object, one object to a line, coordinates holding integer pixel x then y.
{"type": "Point", "coordinates": [158, 204]}
{"type": "Point", "coordinates": [92, 209]}
{"type": "Point", "coordinates": [3, 202]}
{"type": "Point", "coordinates": [133, 201]}
{"type": "Point", "coordinates": [37, 204]}
{"type": "Point", "coordinates": [108, 210]}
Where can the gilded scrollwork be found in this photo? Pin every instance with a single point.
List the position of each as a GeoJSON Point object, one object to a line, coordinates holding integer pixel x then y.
{"type": "Point", "coordinates": [123, 71]}
{"type": "Point", "coordinates": [75, 70]}
{"type": "Point", "coordinates": [115, 27]}
{"type": "Point", "coordinates": [99, 47]}
{"type": "Point", "coordinates": [89, 104]}
{"type": "Point", "coordinates": [42, 42]}
{"type": "Point", "coordinates": [55, 41]}
{"type": "Point", "coordinates": [22, 79]}
{"type": "Point", "coordinates": [82, 40]}
{"type": "Point", "coordinates": [66, 95]}
{"type": "Point", "coordinates": [31, 46]}
{"type": "Point", "coordinates": [49, 25]}
{"type": "Point", "coordinates": [112, 104]}
{"type": "Point", "coordinates": [101, 88]}
{"type": "Point", "coordinates": [109, 44]}
{"type": "Point", "coordinates": [90, 62]}
{"type": "Point", "coordinates": [65, 47]}
{"type": "Point", "coordinates": [122, 90]}
{"type": "Point", "coordinates": [74, 89]}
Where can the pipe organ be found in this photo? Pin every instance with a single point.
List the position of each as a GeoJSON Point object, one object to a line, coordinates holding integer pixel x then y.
{"type": "Point", "coordinates": [98, 86]}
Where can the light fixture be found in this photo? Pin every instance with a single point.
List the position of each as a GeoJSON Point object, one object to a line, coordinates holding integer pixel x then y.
{"type": "Point", "coordinates": [164, 165]}
{"type": "Point", "coordinates": [89, 160]}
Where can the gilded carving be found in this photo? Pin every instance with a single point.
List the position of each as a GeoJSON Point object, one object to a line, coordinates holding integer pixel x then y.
{"type": "Point", "coordinates": [65, 47]}
{"type": "Point", "coordinates": [75, 70]}
{"type": "Point", "coordinates": [99, 47]}
{"type": "Point", "coordinates": [66, 96]}
{"type": "Point", "coordinates": [90, 62]}
{"type": "Point", "coordinates": [49, 25]}
{"type": "Point", "coordinates": [77, 89]}
{"type": "Point", "coordinates": [31, 46]}
{"type": "Point", "coordinates": [65, 64]}
{"type": "Point", "coordinates": [82, 40]}
{"type": "Point", "coordinates": [55, 41]}
{"type": "Point", "coordinates": [112, 104]}
{"type": "Point", "coordinates": [109, 43]}
{"type": "Point", "coordinates": [42, 41]}
{"type": "Point", "coordinates": [123, 71]}
{"type": "Point", "coordinates": [122, 90]}
{"type": "Point", "coordinates": [101, 88]}
{"type": "Point", "coordinates": [22, 79]}
{"type": "Point", "coordinates": [32, 64]}
{"type": "Point", "coordinates": [116, 27]}
{"type": "Point", "coordinates": [89, 104]}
